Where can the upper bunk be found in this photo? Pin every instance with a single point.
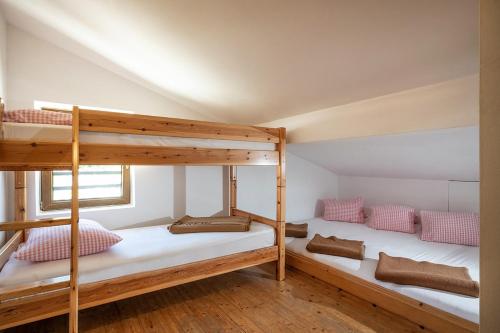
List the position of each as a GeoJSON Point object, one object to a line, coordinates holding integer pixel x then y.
{"type": "Point", "coordinates": [122, 138]}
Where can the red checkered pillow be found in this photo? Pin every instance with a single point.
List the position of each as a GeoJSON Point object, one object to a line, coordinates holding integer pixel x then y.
{"type": "Point", "coordinates": [53, 243]}
{"type": "Point", "coordinates": [450, 227]}
{"type": "Point", "coordinates": [37, 117]}
{"type": "Point", "coordinates": [392, 218]}
{"type": "Point", "coordinates": [350, 210]}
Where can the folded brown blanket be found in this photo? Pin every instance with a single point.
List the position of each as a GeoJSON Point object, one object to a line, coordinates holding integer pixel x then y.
{"type": "Point", "coordinates": [426, 274]}
{"type": "Point", "coordinates": [337, 247]}
{"type": "Point", "coordinates": [296, 230]}
{"type": "Point", "coordinates": [188, 224]}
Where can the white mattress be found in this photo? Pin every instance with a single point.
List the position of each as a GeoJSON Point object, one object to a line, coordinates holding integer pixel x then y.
{"type": "Point", "coordinates": [402, 245]}
{"type": "Point", "coordinates": [60, 133]}
{"type": "Point", "coordinates": [143, 249]}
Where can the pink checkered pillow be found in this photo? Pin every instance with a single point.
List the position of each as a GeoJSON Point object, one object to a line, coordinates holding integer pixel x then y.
{"type": "Point", "coordinates": [53, 243]}
{"type": "Point", "coordinates": [34, 116]}
{"type": "Point", "coordinates": [450, 227]}
{"type": "Point", "coordinates": [392, 218]}
{"type": "Point", "coordinates": [350, 210]}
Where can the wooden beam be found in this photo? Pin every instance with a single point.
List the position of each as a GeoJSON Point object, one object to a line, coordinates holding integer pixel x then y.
{"type": "Point", "coordinates": [423, 314]}
{"type": "Point", "coordinates": [489, 164]}
{"type": "Point", "coordinates": [281, 205]}
{"type": "Point", "coordinates": [10, 293]}
{"type": "Point", "coordinates": [101, 292]}
{"type": "Point", "coordinates": [9, 247]}
{"type": "Point", "coordinates": [75, 217]}
{"type": "Point", "coordinates": [25, 155]}
{"type": "Point", "coordinates": [144, 155]}
{"type": "Point", "coordinates": [115, 122]}
{"type": "Point", "coordinates": [20, 195]}
{"type": "Point", "coordinates": [22, 225]}
{"type": "Point", "coordinates": [255, 217]}
{"type": "Point", "coordinates": [233, 189]}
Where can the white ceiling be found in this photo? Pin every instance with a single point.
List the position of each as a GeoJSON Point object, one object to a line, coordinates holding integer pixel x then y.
{"type": "Point", "coordinates": [255, 61]}
{"type": "Point", "coordinates": [447, 154]}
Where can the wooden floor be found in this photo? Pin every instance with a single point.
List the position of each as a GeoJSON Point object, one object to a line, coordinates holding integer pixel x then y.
{"type": "Point", "coordinates": [245, 301]}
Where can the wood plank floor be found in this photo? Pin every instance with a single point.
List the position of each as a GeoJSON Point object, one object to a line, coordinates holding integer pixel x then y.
{"type": "Point", "coordinates": [246, 301]}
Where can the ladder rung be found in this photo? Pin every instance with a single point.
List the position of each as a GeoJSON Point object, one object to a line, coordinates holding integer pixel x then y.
{"type": "Point", "coordinates": [21, 225]}
{"type": "Point", "coordinates": [34, 288]}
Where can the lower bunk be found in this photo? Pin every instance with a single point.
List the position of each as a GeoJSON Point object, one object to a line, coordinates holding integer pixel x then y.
{"type": "Point", "coordinates": [146, 260]}
{"type": "Point", "coordinates": [438, 311]}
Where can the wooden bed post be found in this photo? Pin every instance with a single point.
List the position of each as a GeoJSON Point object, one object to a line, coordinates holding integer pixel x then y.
{"type": "Point", "coordinates": [281, 205]}
{"type": "Point", "coordinates": [233, 179]}
{"type": "Point", "coordinates": [20, 197]}
{"type": "Point", "coordinates": [73, 296]}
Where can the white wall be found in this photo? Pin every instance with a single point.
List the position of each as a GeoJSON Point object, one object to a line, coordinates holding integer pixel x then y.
{"type": "Point", "coordinates": [448, 104]}
{"type": "Point", "coordinates": [204, 190]}
{"type": "Point", "coordinates": [422, 194]}
{"type": "Point", "coordinates": [306, 184]}
{"type": "Point", "coordinates": [152, 200]}
{"type": "Point", "coordinates": [39, 70]}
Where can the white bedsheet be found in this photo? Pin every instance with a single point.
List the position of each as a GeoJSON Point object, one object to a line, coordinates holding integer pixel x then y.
{"type": "Point", "coordinates": [402, 245]}
{"type": "Point", "coordinates": [143, 249]}
{"type": "Point", "coordinates": [59, 133]}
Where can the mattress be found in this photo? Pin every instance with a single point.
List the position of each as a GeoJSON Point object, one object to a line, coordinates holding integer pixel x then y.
{"type": "Point", "coordinates": [61, 133]}
{"type": "Point", "coordinates": [402, 245]}
{"type": "Point", "coordinates": [142, 249]}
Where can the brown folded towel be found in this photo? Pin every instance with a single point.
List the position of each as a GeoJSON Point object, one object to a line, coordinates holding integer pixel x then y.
{"type": "Point", "coordinates": [296, 230]}
{"type": "Point", "coordinates": [337, 247]}
{"type": "Point", "coordinates": [426, 274]}
{"type": "Point", "coordinates": [188, 224]}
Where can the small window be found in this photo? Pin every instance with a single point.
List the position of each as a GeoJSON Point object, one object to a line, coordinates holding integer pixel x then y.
{"type": "Point", "coordinates": [99, 185]}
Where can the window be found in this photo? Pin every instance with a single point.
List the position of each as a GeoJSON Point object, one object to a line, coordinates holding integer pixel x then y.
{"type": "Point", "coordinates": [99, 185]}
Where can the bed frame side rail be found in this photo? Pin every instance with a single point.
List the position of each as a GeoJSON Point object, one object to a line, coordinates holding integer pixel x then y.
{"type": "Point", "coordinates": [418, 312]}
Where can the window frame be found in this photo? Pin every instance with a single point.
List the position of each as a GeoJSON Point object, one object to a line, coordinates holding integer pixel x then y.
{"type": "Point", "coordinates": [48, 204]}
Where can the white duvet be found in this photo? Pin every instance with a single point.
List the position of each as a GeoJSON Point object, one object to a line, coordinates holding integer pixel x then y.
{"type": "Point", "coordinates": [141, 250]}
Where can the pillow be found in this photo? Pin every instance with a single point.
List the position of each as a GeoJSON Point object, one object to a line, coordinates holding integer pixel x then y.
{"type": "Point", "coordinates": [350, 210]}
{"type": "Point", "coordinates": [37, 117]}
{"type": "Point", "coordinates": [450, 227]}
{"type": "Point", "coordinates": [392, 218]}
{"type": "Point", "coordinates": [53, 243]}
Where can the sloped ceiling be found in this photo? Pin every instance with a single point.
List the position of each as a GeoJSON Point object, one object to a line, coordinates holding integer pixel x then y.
{"type": "Point", "coordinates": [447, 154]}
{"type": "Point", "coordinates": [257, 61]}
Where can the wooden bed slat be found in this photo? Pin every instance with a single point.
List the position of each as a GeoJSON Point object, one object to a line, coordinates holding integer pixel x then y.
{"type": "Point", "coordinates": [25, 155]}
{"type": "Point", "coordinates": [97, 293]}
{"type": "Point", "coordinates": [423, 314]}
{"type": "Point", "coordinates": [21, 225]}
{"type": "Point", "coordinates": [117, 122]}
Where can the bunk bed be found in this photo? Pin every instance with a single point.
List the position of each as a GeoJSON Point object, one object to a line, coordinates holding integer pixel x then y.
{"type": "Point", "coordinates": [101, 137]}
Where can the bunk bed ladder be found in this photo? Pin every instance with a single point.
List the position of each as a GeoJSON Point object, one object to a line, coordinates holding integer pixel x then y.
{"type": "Point", "coordinates": [75, 164]}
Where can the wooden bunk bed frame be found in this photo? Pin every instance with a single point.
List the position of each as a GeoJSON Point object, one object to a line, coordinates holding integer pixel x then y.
{"type": "Point", "coordinates": [48, 298]}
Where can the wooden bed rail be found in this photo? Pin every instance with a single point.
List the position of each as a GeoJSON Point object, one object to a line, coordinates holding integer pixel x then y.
{"type": "Point", "coordinates": [22, 225]}
{"type": "Point", "coordinates": [8, 295]}
{"type": "Point", "coordinates": [255, 217]}
{"type": "Point", "coordinates": [117, 122]}
{"type": "Point", "coordinates": [9, 247]}
{"type": "Point", "coordinates": [24, 155]}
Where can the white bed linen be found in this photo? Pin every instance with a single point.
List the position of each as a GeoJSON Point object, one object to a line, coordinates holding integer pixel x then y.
{"type": "Point", "coordinates": [60, 133]}
{"type": "Point", "coordinates": [401, 245]}
{"type": "Point", "coordinates": [141, 250]}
